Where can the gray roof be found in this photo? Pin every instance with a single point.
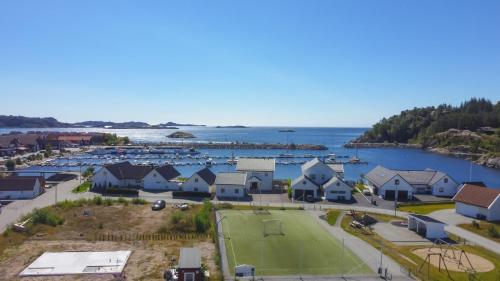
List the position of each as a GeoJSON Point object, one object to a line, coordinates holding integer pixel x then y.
{"type": "Point", "coordinates": [425, 218]}
{"type": "Point", "coordinates": [256, 164]}
{"type": "Point", "coordinates": [190, 258]}
{"type": "Point", "coordinates": [311, 163]}
{"type": "Point", "coordinates": [237, 178]}
{"type": "Point", "coordinates": [337, 167]}
{"type": "Point", "coordinates": [380, 175]}
{"type": "Point", "coordinates": [334, 180]}
{"type": "Point", "coordinates": [301, 178]}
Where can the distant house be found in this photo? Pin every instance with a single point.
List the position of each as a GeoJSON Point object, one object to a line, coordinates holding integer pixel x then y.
{"type": "Point", "coordinates": [121, 174]}
{"type": "Point", "coordinates": [303, 186]}
{"type": "Point", "coordinates": [384, 182]}
{"type": "Point", "coordinates": [12, 144]}
{"type": "Point", "coordinates": [317, 171]}
{"type": "Point", "coordinates": [336, 189]}
{"type": "Point", "coordinates": [260, 173]}
{"type": "Point", "coordinates": [478, 202]}
{"type": "Point", "coordinates": [201, 181]}
{"type": "Point", "coordinates": [189, 268]}
{"type": "Point", "coordinates": [162, 178]}
{"type": "Point", "coordinates": [21, 187]}
{"type": "Point", "coordinates": [231, 185]}
{"type": "Point", "coordinates": [338, 168]}
{"type": "Point", "coordinates": [426, 226]}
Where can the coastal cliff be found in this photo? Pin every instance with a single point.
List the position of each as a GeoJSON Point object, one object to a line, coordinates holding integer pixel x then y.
{"type": "Point", "coordinates": [470, 131]}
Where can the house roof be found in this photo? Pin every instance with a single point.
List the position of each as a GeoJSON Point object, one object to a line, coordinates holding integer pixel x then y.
{"type": "Point", "coordinates": [74, 138]}
{"type": "Point", "coordinates": [425, 218]}
{"type": "Point", "coordinates": [311, 163]}
{"type": "Point", "coordinates": [256, 164]}
{"type": "Point", "coordinates": [476, 195]}
{"type": "Point", "coordinates": [337, 167]}
{"type": "Point", "coordinates": [237, 178]}
{"type": "Point", "coordinates": [28, 139]}
{"type": "Point", "coordinates": [302, 178]}
{"type": "Point", "coordinates": [207, 175]}
{"type": "Point", "coordinates": [18, 183]}
{"type": "Point", "coordinates": [190, 258]}
{"type": "Point", "coordinates": [381, 175]}
{"type": "Point", "coordinates": [168, 172]}
{"type": "Point", "coordinates": [6, 140]}
{"type": "Point", "coordinates": [125, 170]}
{"type": "Point", "coordinates": [333, 180]}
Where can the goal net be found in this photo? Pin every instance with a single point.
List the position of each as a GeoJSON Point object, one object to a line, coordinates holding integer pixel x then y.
{"type": "Point", "coordinates": [272, 227]}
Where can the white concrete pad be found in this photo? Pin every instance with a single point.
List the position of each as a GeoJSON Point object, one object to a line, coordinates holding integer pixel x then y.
{"type": "Point", "coordinates": [64, 263]}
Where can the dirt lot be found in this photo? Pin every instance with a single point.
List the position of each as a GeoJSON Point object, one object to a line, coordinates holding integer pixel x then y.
{"type": "Point", "coordinates": [148, 260]}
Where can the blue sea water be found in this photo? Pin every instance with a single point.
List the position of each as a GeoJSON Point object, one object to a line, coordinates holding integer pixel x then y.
{"type": "Point", "coordinates": [333, 138]}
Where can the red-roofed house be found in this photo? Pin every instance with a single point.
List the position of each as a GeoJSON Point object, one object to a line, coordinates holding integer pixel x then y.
{"type": "Point", "coordinates": [478, 202]}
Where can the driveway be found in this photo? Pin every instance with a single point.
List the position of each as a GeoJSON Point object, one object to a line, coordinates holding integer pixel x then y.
{"type": "Point", "coordinates": [15, 210]}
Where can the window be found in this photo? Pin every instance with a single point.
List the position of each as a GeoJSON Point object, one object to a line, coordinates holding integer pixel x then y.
{"type": "Point", "coordinates": [445, 180]}
{"type": "Point", "coordinates": [196, 189]}
{"type": "Point", "coordinates": [338, 183]}
{"type": "Point", "coordinates": [154, 175]}
{"type": "Point", "coordinates": [304, 182]}
{"type": "Point", "coordinates": [195, 179]}
{"type": "Point", "coordinates": [322, 177]}
{"type": "Point", "coordinates": [396, 182]}
{"type": "Point", "coordinates": [188, 276]}
{"type": "Point", "coordinates": [105, 173]}
{"type": "Point", "coordinates": [266, 174]}
{"type": "Point", "coordinates": [313, 176]}
{"type": "Point", "coordinates": [441, 189]}
{"type": "Point", "coordinates": [222, 190]}
{"type": "Point", "coordinates": [236, 191]}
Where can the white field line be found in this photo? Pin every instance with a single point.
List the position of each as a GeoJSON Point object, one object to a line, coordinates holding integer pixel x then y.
{"type": "Point", "coordinates": [231, 242]}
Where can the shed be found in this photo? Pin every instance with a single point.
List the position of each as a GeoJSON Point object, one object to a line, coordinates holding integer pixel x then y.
{"type": "Point", "coordinates": [190, 265]}
{"type": "Point", "coordinates": [426, 226]}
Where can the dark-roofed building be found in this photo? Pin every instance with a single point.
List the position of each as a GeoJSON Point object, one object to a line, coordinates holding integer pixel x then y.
{"type": "Point", "coordinates": [189, 268]}
{"type": "Point", "coordinates": [201, 181]}
{"type": "Point", "coordinates": [124, 174]}
{"type": "Point", "coordinates": [384, 182]}
{"type": "Point", "coordinates": [426, 226]}
{"type": "Point", "coordinates": [478, 202]}
{"type": "Point", "coordinates": [21, 187]}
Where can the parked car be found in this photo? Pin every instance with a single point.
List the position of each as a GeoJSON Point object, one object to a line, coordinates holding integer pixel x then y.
{"type": "Point", "coordinates": [367, 192]}
{"type": "Point", "coordinates": [158, 205]}
{"type": "Point", "coordinates": [309, 198]}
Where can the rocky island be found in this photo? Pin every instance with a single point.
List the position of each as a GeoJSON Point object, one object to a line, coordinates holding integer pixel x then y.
{"type": "Point", "coordinates": [181, 135]}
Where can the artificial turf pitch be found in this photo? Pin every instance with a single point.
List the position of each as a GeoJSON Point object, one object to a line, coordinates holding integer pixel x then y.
{"type": "Point", "coordinates": [305, 248]}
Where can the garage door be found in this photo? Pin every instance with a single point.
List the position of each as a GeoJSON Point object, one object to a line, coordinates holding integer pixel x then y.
{"type": "Point", "coordinates": [402, 195]}
{"type": "Point", "coordinates": [299, 193]}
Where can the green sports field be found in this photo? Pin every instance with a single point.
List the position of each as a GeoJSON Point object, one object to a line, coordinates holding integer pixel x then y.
{"type": "Point", "coordinates": [304, 248]}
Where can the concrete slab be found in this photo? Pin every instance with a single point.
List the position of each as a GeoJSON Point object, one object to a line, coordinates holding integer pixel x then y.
{"type": "Point", "coordinates": [399, 235]}
{"type": "Point", "coordinates": [65, 263]}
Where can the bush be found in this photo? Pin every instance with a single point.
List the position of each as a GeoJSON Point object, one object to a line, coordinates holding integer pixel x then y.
{"type": "Point", "coordinates": [97, 200]}
{"type": "Point", "coordinates": [222, 206]}
{"type": "Point", "coordinates": [122, 191]}
{"type": "Point", "coordinates": [176, 217]}
{"type": "Point", "coordinates": [10, 165]}
{"type": "Point", "coordinates": [475, 224]}
{"type": "Point", "coordinates": [493, 232]}
{"type": "Point", "coordinates": [139, 201]}
{"type": "Point", "coordinates": [289, 191]}
{"type": "Point", "coordinates": [108, 202]}
{"type": "Point", "coordinates": [123, 201]}
{"type": "Point", "coordinates": [44, 216]}
{"type": "Point", "coordinates": [88, 172]}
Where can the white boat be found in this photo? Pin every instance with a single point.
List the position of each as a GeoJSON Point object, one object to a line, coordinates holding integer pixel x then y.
{"type": "Point", "coordinates": [285, 155]}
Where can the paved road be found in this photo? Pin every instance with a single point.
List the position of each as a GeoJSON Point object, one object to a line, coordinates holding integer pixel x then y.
{"type": "Point", "coordinates": [452, 219]}
{"type": "Point", "coordinates": [15, 210]}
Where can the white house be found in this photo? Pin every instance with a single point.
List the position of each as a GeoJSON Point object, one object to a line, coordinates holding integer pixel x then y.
{"type": "Point", "coordinates": [317, 171]}
{"type": "Point", "coordinates": [21, 187]}
{"type": "Point", "coordinates": [162, 178]}
{"type": "Point", "coordinates": [478, 202]}
{"type": "Point", "coordinates": [337, 189]}
{"type": "Point", "coordinates": [426, 226]}
{"type": "Point", "coordinates": [231, 185]}
{"type": "Point", "coordinates": [260, 173]}
{"type": "Point", "coordinates": [304, 186]}
{"type": "Point", "coordinates": [384, 182]}
{"type": "Point", "coordinates": [201, 181]}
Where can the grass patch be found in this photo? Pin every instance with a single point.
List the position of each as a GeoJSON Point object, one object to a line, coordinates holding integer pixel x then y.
{"type": "Point", "coordinates": [332, 216]}
{"type": "Point", "coordinates": [425, 208]}
{"type": "Point", "coordinates": [304, 248]}
{"type": "Point", "coordinates": [404, 256]}
{"type": "Point", "coordinates": [486, 229]}
{"type": "Point", "coordinates": [84, 187]}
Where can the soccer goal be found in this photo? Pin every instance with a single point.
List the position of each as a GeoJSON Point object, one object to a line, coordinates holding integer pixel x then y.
{"type": "Point", "coordinates": [272, 227]}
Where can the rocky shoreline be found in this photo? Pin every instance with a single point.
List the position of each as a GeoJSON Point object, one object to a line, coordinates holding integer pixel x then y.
{"type": "Point", "coordinates": [381, 145]}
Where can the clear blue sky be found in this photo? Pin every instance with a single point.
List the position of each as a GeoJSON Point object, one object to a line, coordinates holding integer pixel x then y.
{"type": "Point", "coordinates": [298, 63]}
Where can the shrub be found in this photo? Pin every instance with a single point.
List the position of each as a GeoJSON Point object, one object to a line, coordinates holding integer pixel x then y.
{"type": "Point", "coordinates": [10, 165]}
{"type": "Point", "coordinates": [493, 232]}
{"type": "Point", "coordinates": [223, 206]}
{"type": "Point", "coordinates": [108, 202]}
{"type": "Point", "coordinates": [44, 216]}
{"type": "Point", "coordinates": [139, 201]}
{"type": "Point", "coordinates": [101, 225]}
{"type": "Point", "coordinates": [122, 200]}
{"type": "Point", "coordinates": [122, 191]}
{"type": "Point", "coordinates": [97, 200]}
{"type": "Point", "coordinates": [176, 217]}
{"type": "Point", "coordinates": [475, 224]}
{"type": "Point", "coordinates": [289, 191]}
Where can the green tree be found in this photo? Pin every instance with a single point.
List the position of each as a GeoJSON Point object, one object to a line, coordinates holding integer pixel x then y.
{"type": "Point", "coordinates": [10, 165]}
